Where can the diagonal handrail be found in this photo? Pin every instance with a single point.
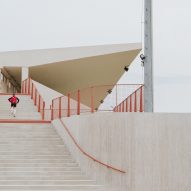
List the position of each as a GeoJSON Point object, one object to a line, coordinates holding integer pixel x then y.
{"type": "Point", "coordinates": [86, 154]}
{"type": "Point", "coordinates": [29, 88]}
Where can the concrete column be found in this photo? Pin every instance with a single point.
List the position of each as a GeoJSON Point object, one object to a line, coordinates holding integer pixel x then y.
{"type": "Point", "coordinates": [25, 73]}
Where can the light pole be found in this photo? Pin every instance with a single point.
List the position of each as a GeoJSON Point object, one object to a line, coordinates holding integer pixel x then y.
{"type": "Point", "coordinates": [148, 62]}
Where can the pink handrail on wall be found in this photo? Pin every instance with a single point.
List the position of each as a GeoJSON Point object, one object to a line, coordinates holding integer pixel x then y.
{"type": "Point", "coordinates": [88, 155]}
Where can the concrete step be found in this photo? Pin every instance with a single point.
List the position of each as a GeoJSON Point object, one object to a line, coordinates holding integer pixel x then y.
{"type": "Point", "coordinates": [32, 135]}
{"type": "Point", "coordinates": [23, 115]}
{"type": "Point", "coordinates": [26, 126]}
{"type": "Point", "coordinates": [36, 157]}
{"type": "Point", "coordinates": [65, 177]}
{"type": "Point", "coordinates": [33, 157]}
{"type": "Point", "coordinates": [50, 169]}
{"type": "Point", "coordinates": [30, 139]}
{"type": "Point", "coordinates": [47, 182]}
{"type": "Point", "coordinates": [50, 187]}
{"type": "Point", "coordinates": [30, 142]}
{"type": "Point", "coordinates": [40, 173]}
{"type": "Point", "coordinates": [34, 153]}
{"type": "Point", "coordinates": [30, 147]}
{"type": "Point", "coordinates": [41, 165]}
{"type": "Point", "coordinates": [2, 161]}
{"type": "Point", "coordinates": [90, 189]}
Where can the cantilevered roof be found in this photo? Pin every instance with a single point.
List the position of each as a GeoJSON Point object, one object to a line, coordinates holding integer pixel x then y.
{"type": "Point", "coordinates": [68, 69]}
{"type": "Point", "coordinates": [45, 56]}
{"type": "Point", "coordinates": [70, 75]}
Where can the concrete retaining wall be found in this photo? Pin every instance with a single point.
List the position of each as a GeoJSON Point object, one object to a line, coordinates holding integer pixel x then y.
{"type": "Point", "coordinates": [153, 149]}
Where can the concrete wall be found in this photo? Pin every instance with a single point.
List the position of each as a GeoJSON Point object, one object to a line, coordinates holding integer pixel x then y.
{"type": "Point", "coordinates": [153, 149]}
{"type": "Point", "coordinates": [47, 94]}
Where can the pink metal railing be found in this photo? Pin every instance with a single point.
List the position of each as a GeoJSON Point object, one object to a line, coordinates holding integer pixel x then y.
{"type": "Point", "coordinates": [119, 98]}
{"type": "Point", "coordinates": [110, 98]}
{"type": "Point", "coordinates": [133, 103]}
{"type": "Point", "coordinates": [28, 87]}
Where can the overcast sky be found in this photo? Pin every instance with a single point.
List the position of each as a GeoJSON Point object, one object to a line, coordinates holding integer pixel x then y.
{"type": "Point", "coordinates": [34, 24]}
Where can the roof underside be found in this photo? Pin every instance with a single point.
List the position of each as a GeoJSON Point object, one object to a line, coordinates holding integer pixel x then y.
{"type": "Point", "coordinates": [68, 76]}
{"type": "Point", "coordinates": [82, 68]}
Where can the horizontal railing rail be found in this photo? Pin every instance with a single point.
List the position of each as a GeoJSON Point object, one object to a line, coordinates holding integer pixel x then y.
{"type": "Point", "coordinates": [102, 98]}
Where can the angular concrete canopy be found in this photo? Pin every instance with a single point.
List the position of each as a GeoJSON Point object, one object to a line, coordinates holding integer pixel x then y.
{"type": "Point", "coordinates": [45, 56]}
{"type": "Point", "coordinates": [104, 68]}
{"type": "Point", "coordinates": [68, 69]}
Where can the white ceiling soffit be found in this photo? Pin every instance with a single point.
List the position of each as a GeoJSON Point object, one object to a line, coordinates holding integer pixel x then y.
{"type": "Point", "coordinates": [45, 56]}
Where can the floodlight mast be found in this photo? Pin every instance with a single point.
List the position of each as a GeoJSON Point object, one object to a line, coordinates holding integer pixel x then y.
{"type": "Point", "coordinates": [148, 62]}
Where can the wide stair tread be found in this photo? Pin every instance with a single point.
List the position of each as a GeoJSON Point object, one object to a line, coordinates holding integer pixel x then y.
{"type": "Point", "coordinates": [34, 158]}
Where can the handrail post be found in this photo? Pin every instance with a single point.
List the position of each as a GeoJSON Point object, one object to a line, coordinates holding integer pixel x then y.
{"type": "Point", "coordinates": [135, 102]}
{"type": "Point", "coordinates": [120, 107]}
{"type": "Point", "coordinates": [123, 106]}
{"type": "Point", "coordinates": [130, 103]}
{"type": "Point", "coordinates": [39, 99]}
{"type": "Point", "coordinates": [141, 99]}
{"type": "Point", "coordinates": [35, 96]}
{"type": "Point", "coordinates": [29, 85]}
{"type": "Point", "coordinates": [22, 89]}
{"type": "Point", "coordinates": [52, 110]}
{"type": "Point", "coordinates": [116, 97]}
{"type": "Point", "coordinates": [68, 111]}
{"type": "Point", "coordinates": [127, 105]}
{"type": "Point", "coordinates": [78, 103]}
{"type": "Point", "coordinates": [60, 114]}
{"type": "Point", "coordinates": [92, 99]}
{"type": "Point", "coordinates": [25, 86]}
{"type": "Point", "coordinates": [51, 113]}
{"type": "Point", "coordinates": [32, 91]}
{"type": "Point", "coordinates": [43, 110]}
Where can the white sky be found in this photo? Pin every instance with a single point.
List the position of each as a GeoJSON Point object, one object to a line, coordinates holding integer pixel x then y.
{"type": "Point", "coordinates": [34, 24]}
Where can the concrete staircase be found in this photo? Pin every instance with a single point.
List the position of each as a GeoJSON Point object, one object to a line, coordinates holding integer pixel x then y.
{"type": "Point", "coordinates": [33, 157]}
{"type": "Point", "coordinates": [25, 108]}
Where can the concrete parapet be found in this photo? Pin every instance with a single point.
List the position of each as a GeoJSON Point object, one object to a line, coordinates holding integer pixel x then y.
{"type": "Point", "coordinates": [153, 148]}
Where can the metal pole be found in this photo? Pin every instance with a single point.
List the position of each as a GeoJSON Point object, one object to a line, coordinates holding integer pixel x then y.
{"type": "Point", "coordinates": [148, 62]}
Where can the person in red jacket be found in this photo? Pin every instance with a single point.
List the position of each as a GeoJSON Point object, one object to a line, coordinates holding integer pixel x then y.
{"type": "Point", "coordinates": [14, 101]}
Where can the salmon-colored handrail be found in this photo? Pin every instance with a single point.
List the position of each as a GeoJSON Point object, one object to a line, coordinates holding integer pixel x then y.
{"type": "Point", "coordinates": [97, 86]}
{"type": "Point", "coordinates": [130, 96]}
{"type": "Point", "coordinates": [29, 88]}
{"type": "Point", "coordinates": [85, 153]}
{"type": "Point", "coordinates": [134, 92]}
